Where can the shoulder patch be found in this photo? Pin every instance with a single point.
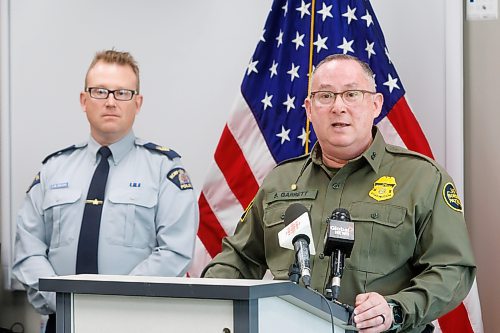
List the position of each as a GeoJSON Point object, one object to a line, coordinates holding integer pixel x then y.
{"type": "Point", "coordinates": [245, 213]}
{"type": "Point", "coordinates": [451, 198]}
{"type": "Point", "coordinates": [59, 152]}
{"type": "Point", "coordinates": [180, 178]}
{"type": "Point", "coordinates": [171, 154]}
{"type": "Point", "coordinates": [36, 180]}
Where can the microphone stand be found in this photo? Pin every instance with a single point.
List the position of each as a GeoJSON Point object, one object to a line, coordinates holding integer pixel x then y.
{"type": "Point", "coordinates": [332, 288]}
{"type": "Point", "coordinates": [294, 272]}
{"type": "Point", "coordinates": [294, 276]}
{"type": "Point", "coordinates": [337, 263]}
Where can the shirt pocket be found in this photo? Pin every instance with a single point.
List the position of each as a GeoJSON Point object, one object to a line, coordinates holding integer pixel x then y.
{"type": "Point", "coordinates": [132, 214]}
{"type": "Point", "coordinates": [383, 240]}
{"type": "Point", "coordinates": [59, 213]}
{"type": "Point", "coordinates": [278, 259]}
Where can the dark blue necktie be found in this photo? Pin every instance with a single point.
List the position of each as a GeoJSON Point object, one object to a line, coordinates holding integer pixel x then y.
{"type": "Point", "coordinates": [86, 257]}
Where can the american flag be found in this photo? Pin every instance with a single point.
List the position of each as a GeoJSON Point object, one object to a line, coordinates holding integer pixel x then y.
{"type": "Point", "coordinates": [268, 123]}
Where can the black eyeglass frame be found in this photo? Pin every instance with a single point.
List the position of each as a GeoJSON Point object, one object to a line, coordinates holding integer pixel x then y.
{"type": "Point", "coordinates": [134, 92]}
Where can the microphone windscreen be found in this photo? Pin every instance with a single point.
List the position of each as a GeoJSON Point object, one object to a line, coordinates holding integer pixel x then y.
{"type": "Point", "coordinates": [341, 214]}
{"type": "Point", "coordinates": [297, 221]}
{"type": "Point", "coordinates": [293, 212]}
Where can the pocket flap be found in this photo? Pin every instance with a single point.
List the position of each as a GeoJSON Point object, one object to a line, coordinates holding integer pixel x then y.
{"type": "Point", "coordinates": [134, 196]}
{"type": "Point", "coordinates": [275, 213]}
{"type": "Point", "coordinates": [388, 215]}
{"type": "Point", "coordinates": [60, 196]}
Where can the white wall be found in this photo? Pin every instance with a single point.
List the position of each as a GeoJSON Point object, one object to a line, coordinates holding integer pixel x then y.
{"type": "Point", "coordinates": [192, 56]}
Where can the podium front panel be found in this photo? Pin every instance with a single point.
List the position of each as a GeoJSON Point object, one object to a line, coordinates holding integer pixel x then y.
{"type": "Point", "coordinates": [132, 314]}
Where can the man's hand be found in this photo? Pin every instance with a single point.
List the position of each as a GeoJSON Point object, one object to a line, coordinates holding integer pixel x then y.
{"type": "Point", "coordinates": [372, 313]}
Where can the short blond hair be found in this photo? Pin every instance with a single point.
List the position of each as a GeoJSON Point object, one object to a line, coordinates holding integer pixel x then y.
{"type": "Point", "coordinates": [115, 57]}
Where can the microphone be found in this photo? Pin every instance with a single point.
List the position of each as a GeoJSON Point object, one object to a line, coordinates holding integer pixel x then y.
{"type": "Point", "coordinates": [339, 241]}
{"type": "Point", "coordinates": [297, 235]}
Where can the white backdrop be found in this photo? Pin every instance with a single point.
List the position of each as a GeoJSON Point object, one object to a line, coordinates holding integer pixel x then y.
{"type": "Point", "coordinates": [192, 56]}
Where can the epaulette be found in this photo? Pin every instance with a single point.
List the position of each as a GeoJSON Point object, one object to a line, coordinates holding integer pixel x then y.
{"type": "Point", "coordinates": [403, 151]}
{"type": "Point", "coordinates": [59, 152]}
{"type": "Point", "coordinates": [296, 158]}
{"type": "Point", "coordinates": [171, 154]}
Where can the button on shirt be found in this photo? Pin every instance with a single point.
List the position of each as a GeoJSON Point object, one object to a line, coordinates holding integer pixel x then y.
{"type": "Point", "coordinates": [148, 224]}
{"type": "Point", "coordinates": [411, 247]}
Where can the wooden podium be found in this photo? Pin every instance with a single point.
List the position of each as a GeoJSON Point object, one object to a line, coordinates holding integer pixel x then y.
{"type": "Point", "coordinates": [106, 303]}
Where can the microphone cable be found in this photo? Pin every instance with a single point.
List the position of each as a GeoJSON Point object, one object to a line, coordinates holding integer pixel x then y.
{"type": "Point", "coordinates": [327, 303]}
{"type": "Point", "coordinates": [349, 308]}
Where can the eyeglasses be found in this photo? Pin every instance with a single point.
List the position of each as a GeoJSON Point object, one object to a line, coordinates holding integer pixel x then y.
{"type": "Point", "coordinates": [119, 94]}
{"type": "Point", "coordinates": [350, 97]}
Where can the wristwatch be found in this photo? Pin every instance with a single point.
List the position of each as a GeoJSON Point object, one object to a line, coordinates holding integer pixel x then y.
{"type": "Point", "coordinates": [397, 314]}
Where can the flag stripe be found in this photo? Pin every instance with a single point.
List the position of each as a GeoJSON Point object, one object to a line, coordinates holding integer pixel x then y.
{"type": "Point", "coordinates": [456, 321]}
{"type": "Point", "coordinates": [246, 132]}
{"type": "Point", "coordinates": [235, 169]}
{"type": "Point", "coordinates": [201, 258]}
{"type": "Point", "coordinates": [402, 119]}
{"type": "Point", "coordinates": [389, 132]}
{"type": "Point", "coordinates": [473, 307]}
{"type": "Point", "coordinates": [224, 205]}
{"type": "Point", "coordinates": [210, 231]}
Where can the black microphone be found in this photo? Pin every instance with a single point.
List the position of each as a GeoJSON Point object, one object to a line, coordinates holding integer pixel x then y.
{"type": "Point", "coordinates": [339, 241]}
{"type": "Point", "coordinates": [297, 233]}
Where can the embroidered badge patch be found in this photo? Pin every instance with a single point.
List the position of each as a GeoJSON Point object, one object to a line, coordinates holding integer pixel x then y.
{"type": "Point", "coordinates": [451, 197]}
{"type": "Point", "coordinates": [383, 188]}
{"type": "Point", "coordinates": [35, 181]}
{"type": "Point", "coordinates": [180, 178]}
{"type": "Point", "coordinates": [244, 215]}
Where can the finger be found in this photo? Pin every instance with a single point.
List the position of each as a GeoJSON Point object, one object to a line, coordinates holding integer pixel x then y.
{"type": "Point", "coordinates": [377, 323]}
{"type": "Point", "coordinates": [367, 301]}
{"type": "Point", "coordinates": [370, 313]}
{"type": "Point", "coordinates": [360, 298]}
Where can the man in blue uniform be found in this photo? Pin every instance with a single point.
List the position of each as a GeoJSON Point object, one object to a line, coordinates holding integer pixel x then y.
{"type": "Point", "coordinates": [113, 205]}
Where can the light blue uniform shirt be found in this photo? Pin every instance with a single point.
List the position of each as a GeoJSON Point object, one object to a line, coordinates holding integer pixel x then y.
{"type": "Point", "coordinates": [148, 225]}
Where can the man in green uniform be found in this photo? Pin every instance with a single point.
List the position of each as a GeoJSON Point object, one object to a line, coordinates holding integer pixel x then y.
{"type": "Point", "coordinates": [411, 255]}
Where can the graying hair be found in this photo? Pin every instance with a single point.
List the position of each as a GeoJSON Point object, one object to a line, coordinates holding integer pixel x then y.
{"type": "Point", "coordinates": [364, 66]}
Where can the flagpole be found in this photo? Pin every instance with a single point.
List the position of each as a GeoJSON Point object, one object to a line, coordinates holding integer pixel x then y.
{"type": "Point", "coordinates": [309, 77]}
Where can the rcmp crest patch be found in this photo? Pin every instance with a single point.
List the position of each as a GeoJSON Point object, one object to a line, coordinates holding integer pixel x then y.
{"type": "Point", "coordinates": [383, 188]}
{"type": "Point", "coordinates": [180, 178]}
{"type": "Point", "coordinates": [451, 197]}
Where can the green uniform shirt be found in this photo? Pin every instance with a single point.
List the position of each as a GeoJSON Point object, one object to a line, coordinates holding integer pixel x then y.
{"type": "Point", "coordinates": [411, 242]}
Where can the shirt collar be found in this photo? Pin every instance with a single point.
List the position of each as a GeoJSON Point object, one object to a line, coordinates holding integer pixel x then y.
{"type": "Point", "coordinates": [118, 149]}
{"type": "Point", "coordinates": [373, 155]}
